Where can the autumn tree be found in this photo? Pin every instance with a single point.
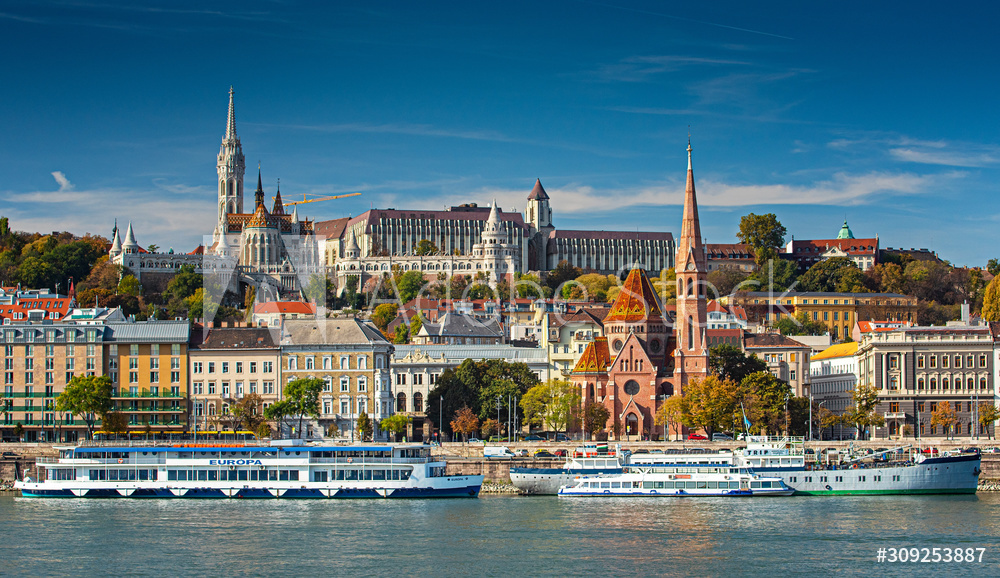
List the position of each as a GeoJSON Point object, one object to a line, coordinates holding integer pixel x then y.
{"type": "Point", "coordinates": [764, 398]}
{"type": "Point", "coordinates": [991, 301]}
{"type": "Point", "coordinates": [988, 414]}
{"type": "Point", "coordinates": [490, 427]}
{"type": "Point", "coordinates": [944, 415]}
{"type": "Point", "coordinates": [708, 404]}
{"type": "Point", "coordinates": [465, 422]}
{"type": "Point", "coordinates": [247, 412]}
{"type": "Point", "coordinates": [670, 415]}
{"type": "Point", "coordinates": [595, 418]}
{"type": "Point", "coordinates": [88, 397]}
{"type": "Point", "coordinates": [115, 422]}
{"type": "Point", "coordinates": [426, 247]}
{"type": "Point", "coordinates": [383, 315]}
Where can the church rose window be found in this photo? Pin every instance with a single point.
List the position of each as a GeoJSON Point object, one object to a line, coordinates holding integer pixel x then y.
{"type": "Point", "coordinates": [631, 387]}
{"type": "Point", "coordinates": [617, 344]}
{"type": "Point", "coordinates": [654, 345]}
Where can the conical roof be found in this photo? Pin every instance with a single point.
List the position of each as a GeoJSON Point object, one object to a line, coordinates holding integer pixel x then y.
{"type": "Point", "coordinates": [231, 119]}
{"type": "Point", "coordinates": [279, 208]}
{"type": "Point", "coordinates": [116, 243]}
{"type": "Point", "coordinates": [494, 216]}
{"type": "Point", "coordinates": [352, 243]}
{"type": "Point", "coordinates": [637, 300]}
{"type": "Point", "coordinates": [129, 237]}
{"type": "Point", "coordinates": [596, 357]}
{"type": "Point", "coordinates": [538, 193]}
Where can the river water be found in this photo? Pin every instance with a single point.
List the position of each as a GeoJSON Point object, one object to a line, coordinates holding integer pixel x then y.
{"type": "Point", "coordinates": [494, 536]}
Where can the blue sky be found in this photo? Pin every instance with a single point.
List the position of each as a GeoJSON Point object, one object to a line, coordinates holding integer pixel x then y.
{"type": "Point", "coordinates": [883, 113]}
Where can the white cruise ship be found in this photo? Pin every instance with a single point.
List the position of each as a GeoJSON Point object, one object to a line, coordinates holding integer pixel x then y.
{"type": "Point", "coordinates": [238, 470]}
{"type": "Point", "coordinates": [678, 480]}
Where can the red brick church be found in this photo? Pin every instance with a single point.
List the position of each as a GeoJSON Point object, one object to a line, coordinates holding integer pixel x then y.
{"type": "Point", "coordinates": [645, 356]}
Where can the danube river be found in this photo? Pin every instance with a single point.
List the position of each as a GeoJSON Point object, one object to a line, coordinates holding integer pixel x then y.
{"type": "Point", "coordinates": [494, 536]}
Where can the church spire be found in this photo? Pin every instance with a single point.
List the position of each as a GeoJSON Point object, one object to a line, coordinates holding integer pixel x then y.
{"type": "Point", "coordinates": [258, 195]}
{"type": "Point", "coordinates": [231, 123]}
{"type": "Point", "coordinates": [690, 245]}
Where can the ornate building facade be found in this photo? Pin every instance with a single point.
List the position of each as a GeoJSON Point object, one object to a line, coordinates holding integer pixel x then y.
{"type": "Point", "coordinates": [645, 356]}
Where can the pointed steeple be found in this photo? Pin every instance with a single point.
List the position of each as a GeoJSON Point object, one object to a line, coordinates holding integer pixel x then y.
{"type": "Point", "coordinates": [494, 216]}
{"type": "Point", "coordinates": [690, 247]}
{"type": "Point", "coordinates": [279, 208]}
{"type": "Point", "coordinates": [116, 244]}
{"type": "Point", "coordinates": [231, 122]}
{"type": "Point", "coordinates": [295, 214]}
{"type": "Point", "coordinates": [538, 193]}
{"type": "Point", "coordinates": [129, 245]}
{"type": "Point", "coordinates": [258, 195]}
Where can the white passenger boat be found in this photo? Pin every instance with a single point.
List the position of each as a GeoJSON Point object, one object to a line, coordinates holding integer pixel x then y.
{"type": "Point", "coordinates": [235, 470]}
{"type": "Point", "coordinates": [586, 460]}
{"type": "Point", "coordinates": [678, 480]}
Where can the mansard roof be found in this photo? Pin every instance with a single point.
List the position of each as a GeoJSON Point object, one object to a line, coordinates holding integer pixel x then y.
{"type": "Point", "coordinates": [609, 235]}
{"type": "Point", "coordinates": [460, 213]}
{"type": "Point", "coordinates": [596, 357]}
{"type": "Point", "coordinates": [637, 300]}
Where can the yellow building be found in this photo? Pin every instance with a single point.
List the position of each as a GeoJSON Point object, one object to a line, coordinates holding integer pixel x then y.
{"type": "Point", "coordinates": [837, 311]}
{"type": "Point", "coordinates": [148, 363]}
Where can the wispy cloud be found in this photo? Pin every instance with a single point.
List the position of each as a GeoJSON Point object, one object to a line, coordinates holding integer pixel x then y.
{"type": "Point", "coordinates": [395, 128]}
{"type": "Point", "coordinates": [165, 213]}
{"type": "Point", "coordinates": [574, 198]}
{"type": "Point", "coordinates": [943, 157]}
{"type": "Point", "coordinates": [914, 150]}
{"type": "Point", "coordinates": [644, 68]}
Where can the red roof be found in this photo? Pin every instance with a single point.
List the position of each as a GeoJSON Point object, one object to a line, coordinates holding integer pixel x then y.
{"type": "Point", "coordinates": [297, 307]}
{"type": "Point", "coordinates": [849, 246]}
{"type": "Point", "coordinates": [636, 301]}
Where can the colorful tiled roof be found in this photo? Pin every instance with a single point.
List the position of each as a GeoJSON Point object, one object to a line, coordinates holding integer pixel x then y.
{"type": "Point", "coordinates": [259, 219]}
{"type": "Point", "coordinates": [596, 357]}
{"type": "Point", "coordinates": [636, 301]}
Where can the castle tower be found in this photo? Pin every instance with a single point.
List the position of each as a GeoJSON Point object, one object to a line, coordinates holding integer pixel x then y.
{"type": "Point", "coordinates": [691, 353]}
{"type": "Point", "coordinates": [230, 167]}
{"type": "Point", "coordinates": [540, 221]}
{"type": "Point", "coordinates": [493, 250]}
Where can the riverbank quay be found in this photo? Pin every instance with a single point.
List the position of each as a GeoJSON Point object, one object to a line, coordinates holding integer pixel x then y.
{"type": "Point", "coordinates": [467, 459]}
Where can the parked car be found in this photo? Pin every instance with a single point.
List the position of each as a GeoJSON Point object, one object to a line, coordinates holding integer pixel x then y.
{"type": "Point", "coordinates": [721, 437]}
{"type": "Point", "coordinates": [991, 450]}
{"type": "Point", "coordinates": [560, 437]}
{"type": "Point", "coordinates": [522, 453]}
{"type": "Point", "coordinates": [475, 441]}
{"type": "Point", "coordinates": [544, 454]}
{"type": "Point", "coordinates": [561, 453]}
{"type": "Point", "coordinates": [533, 438]}
{"type": "Point", "coordinates": [697, 437]}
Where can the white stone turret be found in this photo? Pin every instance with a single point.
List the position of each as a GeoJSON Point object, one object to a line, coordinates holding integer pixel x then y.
{"type": "Point", "coordinates": [129, 246]}
{"type": "Point", "coordinates": [230, 166]}
{"type": "Point", "coordinates": [116, 245]}
{"type": "Point", "coordinates": [494, 253]}
{"type": "Point", "coordinates": [351, 249]}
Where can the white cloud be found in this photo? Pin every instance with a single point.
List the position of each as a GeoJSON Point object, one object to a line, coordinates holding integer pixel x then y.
{"type": "Point", "coordinates": [574, 198]}
{"type": "Point", "coordinates": [941, 157]}
{"type": "Point", "coordinates": [166, 214]}
{"type": "Point", "coordinates": [64, 184]}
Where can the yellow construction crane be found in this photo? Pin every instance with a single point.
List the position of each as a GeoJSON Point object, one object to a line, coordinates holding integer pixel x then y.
{"type": "Point", "coordinates": [306, 200]}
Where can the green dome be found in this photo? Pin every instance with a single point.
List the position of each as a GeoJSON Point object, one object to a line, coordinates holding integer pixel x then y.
{"type": "Point", "coordinates": [845, 232]}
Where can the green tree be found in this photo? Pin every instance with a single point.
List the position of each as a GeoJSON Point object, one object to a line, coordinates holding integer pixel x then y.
{"type": "Point", "coordinates": [395, 424]}
{"type": "Point", "coordinates": [365, 427]}
{"type": "Point", "coordinates": [425, 247]}
{"type": "Point", "coordinates": [863, 410]}
{"type": "Point", "coordinates": [728, 362]}
{"type": "Point", "coordinates": [477, 384]}
{"type": "Point", "coordinates": [303, 397]}
{"type": "Point", "coordinates": [991, 301]}
{"type": "Point", "coordinates": [764, 233]}
{"type": "Point", "coordinates": [279, 411]}
{"type": "Point", "coordinates": [409, 285]}
{"type": "Point", "coordinates": [775, 274]}
{"type": "Point", "coordinates": [839, 274]}
{"type": "Point", "coordinates": [116, 423]}
{"type": "Point", "coordinates": [184, 284]}
{"type": "Point", "coordinates": [993, 266]}
{"type": "Point", "coordinates": [401, 335]}
{"type": "Point", "coordinates": [725, 280]}
{"type": "Point", "coordinates": [553, 403]}
{"type": "Point", "coordinates": [529, 286]}
{"type": "Point", "coordinates": [595, 418]}
{"type": "Point", "coordinates": [129, 285]}
{"type": "Point", "coordinates": [88, 397]}
{"type": "Point", "coordinates": [800, 325]}
{"type": "Point", "coordinates": [670, 415]}
{"type": "Point", "coordinates": [383, 315]}
{"type": "Point", "coordinates": [764, 398]}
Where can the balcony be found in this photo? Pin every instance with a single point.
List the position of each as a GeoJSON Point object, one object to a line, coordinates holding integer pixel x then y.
{"type": "Point", "coordinates": [895, 415]}
{"type": "Point", "coordinates": [145, 394]}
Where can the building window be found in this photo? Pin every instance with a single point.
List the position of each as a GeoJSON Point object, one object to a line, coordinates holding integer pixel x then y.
{"type": "Point", "coordinates": [225, 367]}
{"type": "Point", "coordinates": [239, 367]}
{"type": "Point", "coordinates": [225, 389]}
{"type": "Point", "coordinates": [362, 384]}
{"type": "Point", "coordinates": [345, 406]}
{"type": "Point", "coordinates": [418, 402]}
{"type": "Point", "coordinates": [944, 361]}
{"type": "Point", "coordinates": [211, 388]}
{"type": "Point", "coordinates": [327, 362]}
{"type": "Point", "coordinates": [920, 406]}
{"type": "Point", "coordinates": [268, 367]}
{"type": "Point", "coordinates": [982, 360]}
{"type": "Point", "coordinates": [362, 362]}
{"type": "Point", "coordinates": [345, 383]}
{"type": "Point", "coordinates": [211, 367]}
{"type": "Point", "coordinates": [328, 384]}
{"type": "Point", "coordinates": [345, 363]}
{"type": "Point", "coordinates": [958, 362]}
{"type": "Point", "coordinates": [198, 387]}
{"type": "Point", "coordinates": [932, 359]}
{"type": "Point", "coordinates": [197, 367]}
{"type": "Point", "coordinates": [310, 363]}
{"type": "Point", "coordinates": [293, 363]}
{"type": "Point", "coordinates": [920, 362]}
{"type": "Point", "coordinates": [253, 367]}
{"type": "Point", "coordinates": [269, 387]}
